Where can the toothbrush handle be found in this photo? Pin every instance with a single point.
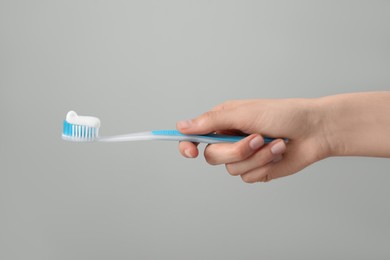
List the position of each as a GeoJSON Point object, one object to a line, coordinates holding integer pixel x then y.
{"type": "Point", "coordinates": [175, 135]}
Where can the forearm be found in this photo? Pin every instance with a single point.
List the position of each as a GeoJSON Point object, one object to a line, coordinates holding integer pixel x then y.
{"type": "Point", "coordinates": [357, 124]}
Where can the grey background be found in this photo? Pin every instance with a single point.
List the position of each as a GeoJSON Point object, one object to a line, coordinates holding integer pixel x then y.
{"type": "Point", "coordinates": [141, 65]}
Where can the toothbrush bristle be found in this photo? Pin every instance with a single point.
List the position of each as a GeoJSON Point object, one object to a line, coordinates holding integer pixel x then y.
{"type": "Point", "coordinates": [73, 132]}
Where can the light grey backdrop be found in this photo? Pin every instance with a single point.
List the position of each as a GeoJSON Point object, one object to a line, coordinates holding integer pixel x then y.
{"type": "Point", "coordinates": [141, 65]}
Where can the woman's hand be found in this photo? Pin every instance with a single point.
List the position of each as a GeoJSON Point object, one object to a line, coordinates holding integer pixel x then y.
{"type": "Point", "coordinates": [299, 120]}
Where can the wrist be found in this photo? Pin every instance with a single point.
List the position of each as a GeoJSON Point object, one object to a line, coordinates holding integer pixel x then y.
{"type": "Point", "coordinates": [331, 125]}
{"type": "Point", "coordinates": [321, 116]}
{"type": "Point", "coordinates": [356, 124]}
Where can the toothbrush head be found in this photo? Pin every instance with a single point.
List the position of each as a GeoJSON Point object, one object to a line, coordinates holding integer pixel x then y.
{"type": "Point", "coordinates": [80, 128]}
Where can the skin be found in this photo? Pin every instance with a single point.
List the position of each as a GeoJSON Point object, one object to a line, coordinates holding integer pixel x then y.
{"type": "Point", "coordinates": [356, 124]}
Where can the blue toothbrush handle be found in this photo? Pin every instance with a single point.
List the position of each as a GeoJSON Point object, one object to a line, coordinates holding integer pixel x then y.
{"type": "Point", "coordinates": [208, 138]}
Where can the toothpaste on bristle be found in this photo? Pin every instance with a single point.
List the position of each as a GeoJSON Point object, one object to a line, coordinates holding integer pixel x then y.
{"type": "Point", "coordinates": [91, 121]}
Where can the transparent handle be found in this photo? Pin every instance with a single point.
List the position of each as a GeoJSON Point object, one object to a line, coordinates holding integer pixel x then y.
{"type": "Point", "coordinates": [208, 138]}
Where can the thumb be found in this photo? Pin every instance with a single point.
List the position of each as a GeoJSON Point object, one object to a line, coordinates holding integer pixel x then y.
{"type": "Point", "coordinates": [211, 121]}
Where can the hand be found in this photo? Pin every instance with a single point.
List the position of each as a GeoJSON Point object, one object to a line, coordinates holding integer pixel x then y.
{"type": "Point", "coordinates": [299, 120]}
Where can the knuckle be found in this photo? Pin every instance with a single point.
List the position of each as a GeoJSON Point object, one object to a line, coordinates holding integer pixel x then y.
{"type": "Point", "coordinates": [218, 107]}
{"type": "Point", "coordinates": [207, 115]}
{"type": "Point", "coordinates": [210, 159]}
{"type": "Point", "coordinates": [239, 152]}
{"type": "Point", "coordinates": [232, 169]}
{"type": "Point", "coordinates": [266, 178]}
{"type": "Point", "coordinates": [209, 155]}
{"type": "Point", "coordinates": [227, 102]}
{"type": "Point", "coordinates": [223, 105]}
{"type": "Point", "coordinates": [248, 178]}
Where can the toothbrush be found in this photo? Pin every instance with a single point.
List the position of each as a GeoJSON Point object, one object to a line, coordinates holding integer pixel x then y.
{"type": "Point", "coordinates": [86, 129]}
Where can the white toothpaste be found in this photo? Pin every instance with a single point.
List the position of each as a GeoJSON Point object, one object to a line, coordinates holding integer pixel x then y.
{"type": "Point", "coordinates": [91, 121]}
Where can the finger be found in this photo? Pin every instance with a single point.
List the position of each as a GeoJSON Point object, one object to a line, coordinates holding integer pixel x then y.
{"type": "Point", "coordinates": [223, 153]}
{"type": "Point", "coordinates": [188, 149]}
{"type": "Point", "coordinates": [277, 158]}
{"type": "Point", "coordinates": [265, 155]}
{"type": "Point", "coordinates": [260, 174]}
{"type": "Point", "coordinates": [212, 121]}
{"type": "Point", "coordinates": [297, 157]}
{"type": "Point", "coordinates": [257, 174]}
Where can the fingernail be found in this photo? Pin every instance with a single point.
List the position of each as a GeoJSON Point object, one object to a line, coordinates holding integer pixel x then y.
{"type": "Point", "coordinates": [278, 148]}
{"type": "Point", "coordinates": [184, 124]}
{"type": "Point", "coordinates": [188, 153]}
{"type": "Point", "coordinates": [277, 159]}
{"type": "Point", "coordinates": [256, 143]}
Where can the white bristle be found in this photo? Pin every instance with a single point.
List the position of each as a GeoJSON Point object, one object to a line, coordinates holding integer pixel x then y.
{"type": "Point", "coordinates": [83, 133]}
